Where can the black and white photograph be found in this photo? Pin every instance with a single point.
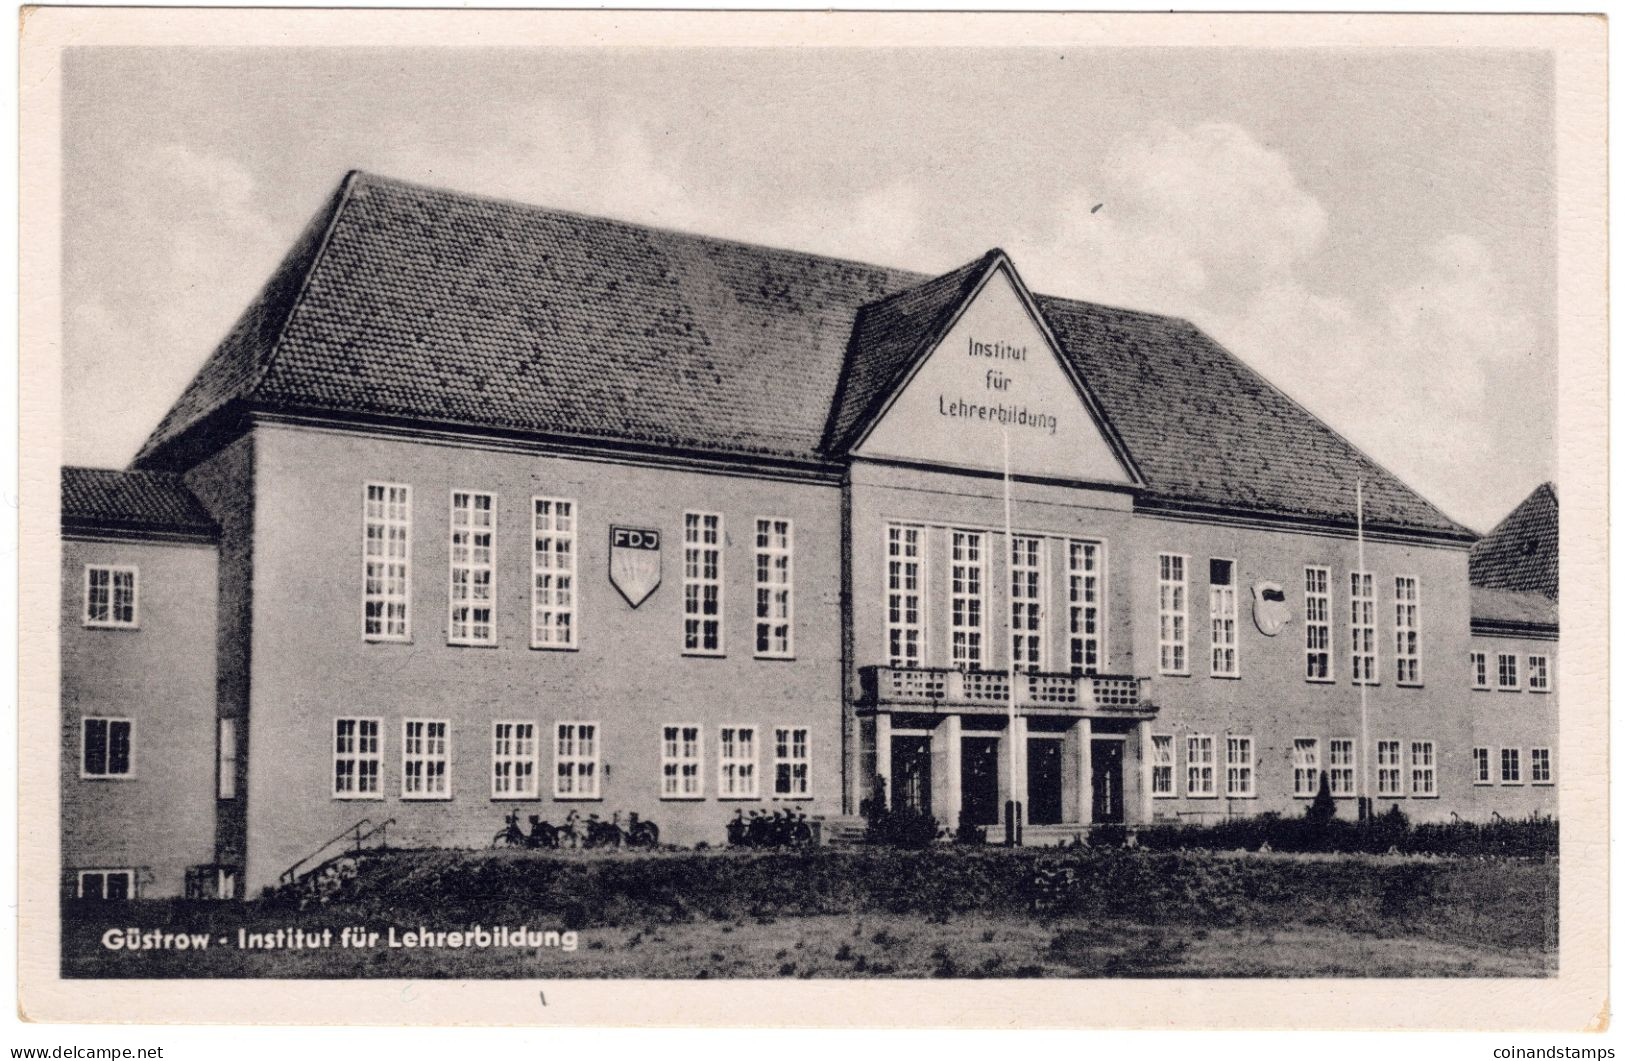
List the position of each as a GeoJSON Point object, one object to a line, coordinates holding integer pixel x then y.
{"type": "Point", "coordinates": [1045, 507]}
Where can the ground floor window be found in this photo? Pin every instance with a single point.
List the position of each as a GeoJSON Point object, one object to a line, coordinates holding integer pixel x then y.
{"type": "Point", "coordinates": [1506, 672]}
{"type": "Point", "coordinates": [1424, 771]}
{"type": "Point", "coordinates": [1162, 766]}
{"type": "Point", "coordinates": [680, 757]}
{"type": "Point", "coordinates": [1238, 766]}
{"type": "Point", "coordinates": [736, 755]}
{"type": "Point", "coordinates": [513, 760]}
{"type": "Point", "coordinates": [109, 884]}
{"type": "Point", "coordinates": [575, 760]}
{"type": "Point", "coordinates": [425, 759]}
{"type": "Point", "coordinates": [1200, 779]}
{"type": "Point", "coordinates": [792, 763]}
{"type": "Point", "coordinates": [1388, 771]}
{"type": "Point", "coordinates": [1540, 766]}
{"type": "Point", "coordinates": [357, 758]}
{"type": "Point", "coordinates": [1539, 678]}
{"type": "Point", "coordinates": [1481, 766]}
{"type": "Point", "coordinates": [1511, 768]}
{"type": "Point", "coordinates": [1305, 766]}
{"type": "Point", "coordinates": [1340, 766]}
{"type": "Point", "coordinates": [108, 747]}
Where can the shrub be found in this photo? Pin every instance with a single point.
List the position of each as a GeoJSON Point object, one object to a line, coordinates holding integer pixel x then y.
{"type": "Point", "coordinates": [1315, 831]}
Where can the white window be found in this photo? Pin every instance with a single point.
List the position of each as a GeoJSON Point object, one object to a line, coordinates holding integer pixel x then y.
{"type": "Point", "coordinates": [1222, 611]}
{"type": "Point", "coordinates": [473, 566]}
{"type": "Point", "coordinates": [1305, 766]}
{"type": "Point", "coordinates": [1162, 765]}
{"type": "Point", "coordinates": [1511, 774]}
{"type": "Point", "coordinates": [108, 747]}
{"type": "Point", "coordinates": [1340, 767]}
{"type": "Point", "coordinates": [681, 759]}
{"type": "Point", "coordinates": [1200, 766]}
{"type": "Point", "coordinates": [110, 596]}
{"type": "Point", "coordinates": [1388, 771]}
{"type": "Point", "coordinates": [1478, 665]}
{"type": "Point", "coordinates": [425, 761]}
{"type": "Point", "coordinates": [553, 573]}
{"type": "Point", "coordinates": [1026, 603]}
{"type": "Point", "coordinates": [1171, 614]}
{"type": "Point", "coordinates": [108, 884]}
{"type": "Point", "coordinates": [792, 762]}
{"type": "Point", "coordinates": [736, 763]}
{"type": "Point", "coordinates": [1506, 672]}
{"type": "Point", "coordinates": [387, 561]}
{"type": "Point", "coordinates": [1238, 766]}
{"type": "Point", "coordinates": [1424, 769]}
{"type": "Point", "coordinates": [1539, 677]}
{"type": "Point", "coordinates": [1540, 766]}
{"type": "Point", "coordinates": [358, 758]}
{"type": "Point", "coordinates": [905, 553]}
{"type": "Point", "coordinates": [1362, 628]}
{"type": "Point", "coordinates": [575, 760]}
{"type": "Point", "coordinates": [965, 599]}
{"type": "Point", "coordinates": [702, 583]}
{"type": "Point", "coordinates": [1481, 766]}
{"type": "Point", "coordinates": [513, 760]}
{"type": "Point", "coordinates": [1083, 576]}
{"type": "Point", "coordinates": [1407, 631]}
{"type": "Point", "coordinates": [226, 770]}
{"type": "Point", "coordinates": [1317, 624]}
{"type": "Point", "coordinates": [775, 589]}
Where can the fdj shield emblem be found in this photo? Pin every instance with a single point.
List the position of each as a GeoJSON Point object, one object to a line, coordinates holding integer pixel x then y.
{"type": "Point", "coordinates": [1270, 612]}
{"type": "Point", "coordinates": [634, 562]}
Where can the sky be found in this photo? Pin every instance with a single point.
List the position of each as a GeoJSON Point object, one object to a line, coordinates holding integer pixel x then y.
{"type": "Point", "coordinates": [1372, 230]}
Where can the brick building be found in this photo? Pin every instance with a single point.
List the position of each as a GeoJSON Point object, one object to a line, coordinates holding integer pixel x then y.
{"type": "Point", "coordinates": [483, 506]}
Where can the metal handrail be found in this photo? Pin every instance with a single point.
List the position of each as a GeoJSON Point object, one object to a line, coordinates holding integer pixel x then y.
{"type": "Point", "coordinates": [291, 873]}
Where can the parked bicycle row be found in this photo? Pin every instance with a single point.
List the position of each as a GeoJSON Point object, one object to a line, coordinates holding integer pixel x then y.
{"type": "Point", "coordinates": [578, 832]}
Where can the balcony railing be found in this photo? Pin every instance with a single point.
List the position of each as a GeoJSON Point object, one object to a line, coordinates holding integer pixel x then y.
{"type": "Point", "coordinates": [930, 686]}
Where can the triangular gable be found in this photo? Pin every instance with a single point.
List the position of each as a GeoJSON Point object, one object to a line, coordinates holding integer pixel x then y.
{"type": "Point", "coordinates": [996, 370]}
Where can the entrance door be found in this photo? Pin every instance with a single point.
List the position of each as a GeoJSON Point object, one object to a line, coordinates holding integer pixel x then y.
{"type": "Point", "coordinates": [911, 773]}
{"type": "Point", "coordinates": [979, 780]}
{"type": "Point", "coordinates": [1043, 781]}
{"type": "Point", "coordinates": [1106, 777]}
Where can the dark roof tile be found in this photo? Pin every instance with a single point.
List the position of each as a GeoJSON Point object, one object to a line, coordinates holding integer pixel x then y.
{"type": "Point", "coordinates": [1521, 552]}
{"type": "Point", "coordinates": [132, 501]}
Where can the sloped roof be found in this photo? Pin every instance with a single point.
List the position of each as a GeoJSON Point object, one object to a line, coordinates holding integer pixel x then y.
{"type": "Point", "coordinates": [409, 302]}
{"type": "Point", "coordinates": [1492, 608]}
{"type": "Point", "coordinates": [1521, 552]}
{"type": "Point", "coordinates": [132, 501]}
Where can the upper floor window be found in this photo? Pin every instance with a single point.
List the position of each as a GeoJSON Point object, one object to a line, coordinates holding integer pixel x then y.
{"type": "Point", "coordinates": [425, 759]}
{"type": "Point", "coordinates": [775, 589]}
{"type": "Point", "coordinates": [1317, 624]}
{"type": "Point", "coordinates": [357, 758]}
{"type": "Point", "coordinates": [1478, 666]}
{"type": "Point", "coordinates": [1506, 671]}
{"type": "Point", "coordinates": [702, 583]}
{"type": "Point", "coordinates": [1222, 612]}
{"type": "Point", "coordinates": [1026, 603]}
{"type": "Point", "coordinates": [965, 578]}
{"type": "Point", "coordinates": [1407, 631]}
{"type": "Point", "coordinates": [792, 762]}
{"type": "Point", "coordinates": [1083, 577]}
{"type": "Point", "coordinates": [575, 760]}
{"type": "Point", "coordinates": [1362, 628]}
{"type": "Point", "coordinates": [1171, 614]}
{"type": "Point", "coordinates": [905, 628]}
{"type": "Point", "coordinates": [1540, 679]}
{"type": "Point", "coordinates": [108, 747]}
{"type": "Point", "coordinates": [473, 566]}
{"type": "Point", "coordinates": [387, 560]}
{"type": "Point", "coordinates": [110, 596]}
{"type": "Point", "coordinates": [1162, 765]}
{"type": "Point", "coordinates": [553, 573]}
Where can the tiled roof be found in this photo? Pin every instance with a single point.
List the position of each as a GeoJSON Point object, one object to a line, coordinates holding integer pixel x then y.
{"type": "Point", "coordinates": [1521, 552]}
{"type": "Point", "coordinates": [1505, 607]}
{"type": "Point", "coordinates": [132, 501]}
{"type": "Point", "coordinates": [408, 302]}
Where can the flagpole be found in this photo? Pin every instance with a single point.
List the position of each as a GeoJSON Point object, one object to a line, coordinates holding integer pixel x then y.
{"type": "Point", "coordinates": [1012, 829]}
{"type": "Point", "coordinates": [1365, 721]}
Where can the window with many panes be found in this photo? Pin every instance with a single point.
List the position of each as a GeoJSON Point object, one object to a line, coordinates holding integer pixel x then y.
{"type": "Point", "coordinates": [1222, 614]}
{"type": "Point", "coordinates": [1162, 765]}
{"type": "Point", "coordinates": [702, 583]}
{"type": "Point", "coordinates": [358, 758]}
{"type": "Point", "coordinates": [775, 587]}
{"type": "Point", "coordinates": [575, 760]}
{"type": "Point", "coordinates": [1540, 766]}
{"type": "Point", "coordinates": [736, 763]}
{"type": "Point", "coordinates": [113, 885]}
{"type": "Point", "coordinates": [1362, 628]}
{"type": "Point", "coordinates": [1540, 679]}
{"type": "Point", "coordinates": [1340, 767]}
{"type": "Point", "coordinates": [1171, 614]}
{"type": "Point", "coordinates": [1389, 774]}
{"type": "Point", "coordinates": [1481, 766]}
{"type": "Point", "coordinates": [1238, 766]}
{"type": "Point", "coordinates": [1407, 631]}
{"type": "Point", "coordinates": [905, 629]}
{"type": "Point", "coordinates": [1083, 575]}
{"type": "Point", "coordinates": [1478, 668]}
{"type": "Point", "coordinates": [553, 611]}
{"type": "Point", "coordinates": [792, 762]}
{"type": "Point", "coordinates": [1026, 603]}
{"type": "Point", "coordinates": [1317, 624]}
{"type": "Point", "coordinates": [1424, 769]}
{"type": "Point", "coordinates": [681, 760]}
{"type": "Point", "coordinates": [473, 568]}
{"type": "Point", "coordinates": [513, 760]}
{"type": "Point", "coordinates": [1305, 766]}
{"type": "Point", "coordinates": [110, 596]}
{"type": "Point", "coordinates": [1506, 672]}
{"type": "Point", "coordinates": [1200, 767]}
{"type": "Point", "coordinates": [965, 582]}
{"type": "Point", "coordinates": [425, 759]}
{"type": "Point", "coordinates": [1511, 767]}
{"type": "Point", "coordinates": [387, 560]}
{"type": "Point", "coordinates": [108, 747]}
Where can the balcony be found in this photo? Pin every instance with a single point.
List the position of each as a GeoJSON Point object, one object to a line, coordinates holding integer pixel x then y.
{"type": "Point", "coordinates": [1114, 695]}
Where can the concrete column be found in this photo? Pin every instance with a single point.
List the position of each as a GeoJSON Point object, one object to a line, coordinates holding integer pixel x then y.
{"type": "Point", "coordinates": [882, 758]}
{"type": "Point", "coordinates": [1142, 812]}
{"type": "Point", "coordinates": [1085, 793]}
{"type": "Point", "coordinates": [946, 790]}
{"type": "Point", "coordinates": [1013, 769]}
